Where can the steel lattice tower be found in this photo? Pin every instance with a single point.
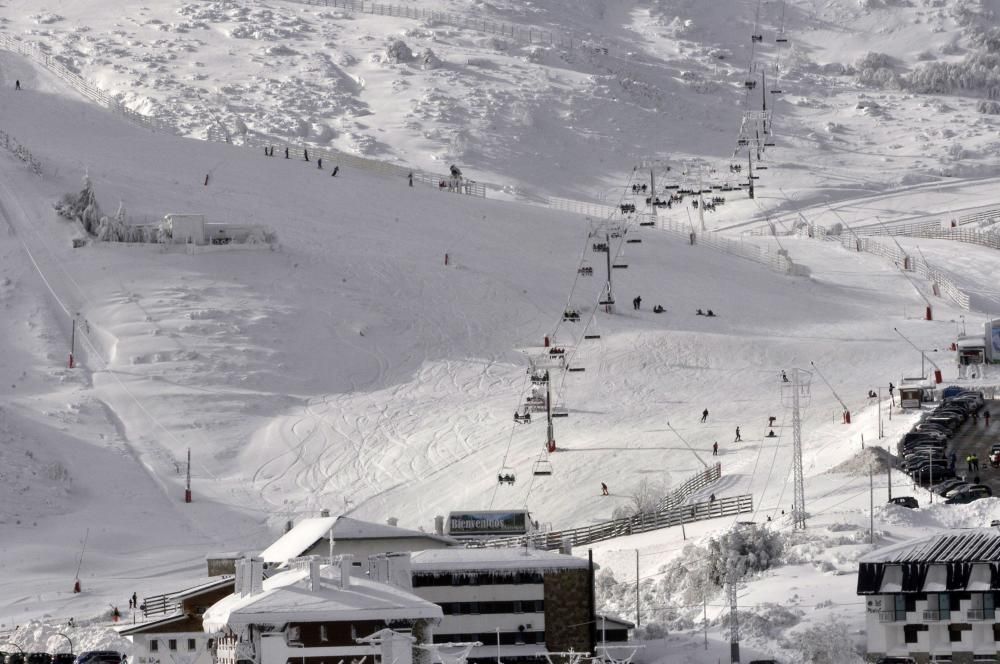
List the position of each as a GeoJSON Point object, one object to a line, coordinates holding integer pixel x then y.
{"type": "Point", "coordinates": [796, 395]}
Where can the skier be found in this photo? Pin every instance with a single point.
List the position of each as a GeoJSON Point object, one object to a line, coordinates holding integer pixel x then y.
{"type": "Point", "coordinates": [17, 84]}
{"type": "Point", "coordinates": [206, 179]}
{"type": "Point", "coordinates": [637, 302]}
{"type": "Point", "coordinates": [704, 416]}
{"type": "Point", "coordinates": [711, 498]}
{"type": "Point", "coordinates": [135, 601]}
{"type": "Point", "coordinates": [604, 489]}
{"type": "Point", "coordinates": [410, 178]}
{"type": "Point", "coordinates": [892, 388]}
{"type": "Point", "coordinates": [319, 163]}
{"type": "Point", "coordinates": [333, 173]}
{"type": "Point", "coordinates": [715, 448]}
{"type": "Point", "coordinates": [305, 153]}
{"type": "Point", "coordinates": [286, 152]}
{"type": "Point", "coordinates": [771, 420]}
{"type": "Point", "coordinates": [975, 462]}
{"type": "Point", "coordinates": [738, 439]}
{"type": "Point", "coordinates": [968, 461]}
{"type": "Point", "coordinates": [130, 607]}
{"type": "Point", "coordinates": [116, 614]}
{"type": "Point", "coordinates": [784, 376]}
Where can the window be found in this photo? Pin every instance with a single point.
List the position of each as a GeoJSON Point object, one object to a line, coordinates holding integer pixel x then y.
{"type": "Point", "coordinates": [323, 634]}
{"type": "Point", "coordinates": [955, 632]}
{"type": "Point", "coordinates": [154, 645]}
{"type": "Point", "coordinates": [910, 632]}
{"type": "Point", "coordinates": [172, 644]}
{"type": "Point", "coordinates": [192, 644]}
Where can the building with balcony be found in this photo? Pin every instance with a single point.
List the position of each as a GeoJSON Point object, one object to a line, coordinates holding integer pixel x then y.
{"type": "Point", "coordinates": [520, 603]}
{"type": "Point", "coordinates": [934, 599]}
{"type": "Point", "coordinates": [316, 614]}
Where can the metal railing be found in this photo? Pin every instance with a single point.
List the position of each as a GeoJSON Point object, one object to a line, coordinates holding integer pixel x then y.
{"type": "Point", "coordinates": [20, 151]}
{"type": "Point", "coordinates": [891, 616]}
{"type": "Point", "coordinates": [692, 484]}
{"type": "Point", "coordinates": [157, 605]}
{"type": "Point", "coordinates": [640, 523]}
{"type": "Point", "coordinates": [980, 614]}
{"type": "Point", "coordinates": [934, 616]}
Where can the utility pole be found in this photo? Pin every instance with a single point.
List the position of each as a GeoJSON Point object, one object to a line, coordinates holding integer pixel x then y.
{"type": "Point", "coordinates": [637, 613]}
{"type": "Point", "coordinates": [734, 622]}
{"type": "Point", "coordinates": [187, 488]}
{"type": "Point", "coordinates": [72, 344]}
{"type": "Point", "coordinates": [871, 505]}
{"type": "Point", "coordinates": [799, 392]}
{"type": "Point", "coordinates": [888, 464]}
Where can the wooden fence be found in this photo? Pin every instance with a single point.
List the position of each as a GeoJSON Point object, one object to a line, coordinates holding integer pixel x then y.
{"type": "Point", "coordinates": [640, 523]}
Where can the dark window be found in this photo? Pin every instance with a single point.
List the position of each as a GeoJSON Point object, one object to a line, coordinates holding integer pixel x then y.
{"type": "Point", "coordinates": [910, 632]}
{"type": "Point", "coordinates": [996, 632]}
{"type": "Point", "coordinates": [154, 645]}
{"type": "Point", "coordinates": [191, 644]}
{"type": "Point", "coordinates": [517, 607]}
{"type": "Point", "coordinates": [172, 644]}
{"type": "Point", "coordinates": [954, 601]}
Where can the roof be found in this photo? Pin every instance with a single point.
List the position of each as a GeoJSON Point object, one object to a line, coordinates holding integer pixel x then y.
{"type": "Point", "coordinates": [286, 598]}
{"type": "Point", "coordinates": [454, 559]}
{"type": "Point", "coordinates": [139, 628]}
{"type": "Point", "coordinates": [974, 545]}
{"type": "Point", "coordinates": [305, 534]}
{"type": "Point", "coordinates": [613, 621]}
{"type": "Point", "coordinates": [194, 591]}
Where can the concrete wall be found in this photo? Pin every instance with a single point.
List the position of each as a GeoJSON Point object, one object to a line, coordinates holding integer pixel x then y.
{"type": "Point", "coordinates": [142, 654]}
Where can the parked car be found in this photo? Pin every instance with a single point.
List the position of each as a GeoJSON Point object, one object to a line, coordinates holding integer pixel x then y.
{"type": "Point", "coordinates": [905, 501]}
{"type": "Point", "coordinates": [928, 474]}
{"type": "Point", "coordinates": [949, 422]}
{"type": "Point", "coordinates": [38, 658]}
{"type": "Point", "coordinates": [933, 426]}
{"type": "Point", "coordinates": [3, 657]}
{"type": "Point", "coordinates": [98, 657]}
{"type": "Point", "coordinates": [895, 660]}
{"type": "Point", "coordinates": [946, 485]}
{"type": "Point", "coordinates": [63, 658]}
{"type": "Point", "coordinates": [970, 494]}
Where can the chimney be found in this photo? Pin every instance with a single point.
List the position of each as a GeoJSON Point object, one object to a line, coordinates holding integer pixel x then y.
{"type": "Point", "coordinates": [314, 578]}
{"type": "Point", "coordinates": [392, 521]}
{"type": "Point", "coordinates": [439, 525]}
{"type": "Point", "coordinates": [289, 525]}
{"type": "Point", "coordinates": [249, 578]}
{"type": "Point", "coordinates": [256, 575]}
{"type": "Point", "coordinates": [345, 570]}
{"type": "Point", "coordinates": [324, 512]}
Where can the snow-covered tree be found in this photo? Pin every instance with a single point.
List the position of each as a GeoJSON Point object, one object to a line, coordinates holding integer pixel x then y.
{"type": "Point", "coordinates": [82, 207]}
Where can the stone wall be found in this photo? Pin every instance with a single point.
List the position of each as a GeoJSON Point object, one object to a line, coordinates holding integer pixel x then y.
{"type": "Point", "coordinates": [567, 610]}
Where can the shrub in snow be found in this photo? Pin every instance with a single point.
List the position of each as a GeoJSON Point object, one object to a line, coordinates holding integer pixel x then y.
{"type": "Point", "coordinates": [825, 643]}
{"type": "Point", "coordinates": [743, 551]}
{"type": "Point", "coordinates": [767, 622]}
{"type": "Point", "coordinates": [645, 497]}
{"type": "Point", "coordinates": [876, 69]}
{"type": "Point", "coordinates": [988, 107]}
{"type": "Point", "coordinates": [81, 207]}
{"type": "Point", "coordinates": [428, 60]}
{"type": "Point", "coordinates": [397, 51]}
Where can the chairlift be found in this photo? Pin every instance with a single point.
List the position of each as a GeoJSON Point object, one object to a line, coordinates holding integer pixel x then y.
{"type": "Point", "coordinates": [539, 377]}
{"type": "Point", "coordinates": [560, 411]}
{"type": "Point", "coordinates": [619, 266]}
{"type": "Point", "coordinates": [591, 336]}
{"type": "Point", "coordinates": [506, 476]}
{"type": "Point", "coordinates": [777, 92]}
{"type": "Point", "coordinates": [647, 223]}
{"type": "Point", "coordinates": [585, 270]}
{"type": "Point", "coordinates": [600, 246]}
{"type": "Point", "coordinates": [576, 369]}
{"type": "Point", "coordinates": [750, 85]}
{"type": "Point", "coordinates": [757, 38]}
{"type": "Point", "coordinates": [522, 418]}
{"type": "Point", "coordinates": [633, 240]}
{"type": "Point", "coordinates": [571, 315]}
{"type": "Point", "coordinates": [542, 468]}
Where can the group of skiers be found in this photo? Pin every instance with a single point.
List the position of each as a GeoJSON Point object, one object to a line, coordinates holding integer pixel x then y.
{"type": "Point", "coordinates": [269, 152]}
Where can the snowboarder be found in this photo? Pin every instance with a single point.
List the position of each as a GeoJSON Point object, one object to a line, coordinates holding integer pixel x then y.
{"type": "Point", "coordinates": [17, 84]}
{"type": "Point", "coordinates": [286, 152]}
{"type": "Point", "coordinates": [784, 376]}
{"type": "Point", "coordinates": [604, 489]}
{"type": "Point", "coordinates": [738, 439]}
{"type": "Point", "coordinates": [410, 178]}
{"type": "Point", "coordinates": [704, 416]}
{"type": "Point", "coordinates": [333, 173]}
{"type": "Point", "coordinates": [709, 313]}
{"type": "Point", "coordinates": [319, 163]}
{"type": "Point", "coordinates": [770, 434]}
{"type": "Point", "coordinates": [455, 171]}
{"type": "Point", "coordinates": [699, 313]}
{"type": "Point", "coordinates": [715, 448]}
{"type": "Point", "coordinates": [986, 417]}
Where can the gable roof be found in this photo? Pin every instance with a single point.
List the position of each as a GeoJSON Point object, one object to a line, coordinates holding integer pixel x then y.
{"type": "Point", "coordinates": [305, 534]}
{"type": "Point", "coordinates": [286, 597]}
{"type": "Point", "coordinates": [974, 545]}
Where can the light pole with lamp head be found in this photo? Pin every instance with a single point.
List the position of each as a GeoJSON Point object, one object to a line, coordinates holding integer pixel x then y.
{"type": "Point", "coordinates": [68, 639]}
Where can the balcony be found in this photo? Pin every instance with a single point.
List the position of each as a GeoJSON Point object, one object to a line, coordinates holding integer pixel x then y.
{"type": "Point", "coordinates": [891, 616]}
{"type": "Point", "coordinates": [933, 616]}
{"type": "Point", "coordinates": [981, 614]}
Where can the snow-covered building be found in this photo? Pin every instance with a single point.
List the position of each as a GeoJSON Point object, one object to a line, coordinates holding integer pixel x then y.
{"type": "Point", "coordinates": [360, 539]}
{"type": "Point", "coordinates": [316, 614]}
{"type": "Point", "coordinates": [173, 632]}
{"type": "Point", "coordinates": [934, 598]}
{"type": "Point", "coordinates": [531, 601]}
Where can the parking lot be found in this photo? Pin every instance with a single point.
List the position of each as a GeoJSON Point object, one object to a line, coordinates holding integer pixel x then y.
{"type": "Point", "coordinates": [976, 437]}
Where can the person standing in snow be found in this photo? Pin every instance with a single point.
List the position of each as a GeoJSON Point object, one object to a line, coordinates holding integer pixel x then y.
{"type": "Point", "coordinates": [770, 420]}
{"type": "Point", "coordinates": [704, 416]}
{"type": "Point", "coordinates": [17, 84]}
{"type": "Point", "coordinates": [637, 302]}
{"type": "Point", "coordinates": [738, 439]}
{"type": "Point", "coordinates": [715, 448]}
{"type": "Point", "coordinates": [135, 601]}
{"type": "Point", "coordinates": [319, 163]}
{"type": "Point", "coordinates": [604, 489]}
{"type": "Point", "coordinates": [286, 152]}
{"type": "Point", "coordinates": [410, 178]}
{"type": "Point", "coordinates": [784, 376]}
{"type": "Point", "coordinates": [892, 388]}
{"type": "Point", "coordinates": [305, 153]}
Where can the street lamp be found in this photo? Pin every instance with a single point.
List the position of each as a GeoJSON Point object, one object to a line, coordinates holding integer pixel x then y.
{"type": "Point", "coordinates": [68, 639]}
{"type": "Point", "coordinates": [11, 643]}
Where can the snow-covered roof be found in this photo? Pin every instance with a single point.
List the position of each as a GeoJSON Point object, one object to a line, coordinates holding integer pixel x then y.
{"type": "Point", "coordinates": [214, 584]}
{"type": "Point", "coordinates": [974, 545]}
{"type": "Point", "coordinates": [129, 630]}
{"type": "Point", "coordinates": [287, 598]}
{"type": "Point", "coordinates": [971, 342]}
{"type": "Point", "coordinates": [455, 559]}
{"type": "Point", "coordinates": [298, 540]}
{"type": "Point", "coordinates": [307, 532]}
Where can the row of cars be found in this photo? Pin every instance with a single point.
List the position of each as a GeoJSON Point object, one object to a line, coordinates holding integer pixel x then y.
{"type": "Point", "coordinates": [924, 455]}
{"type": "Point", "coordinates": [88, 657]}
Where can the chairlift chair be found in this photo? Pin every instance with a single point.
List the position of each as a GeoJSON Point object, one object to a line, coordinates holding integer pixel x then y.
{"type": "Point", "coordinates": [522, 418]}
{"type": "Point", "coordinates": [585, 270]}
{"type": "Point", "coordinates": [539, 377]}
{"type": "Point", "coordinates": [571, 315]}
{"type": "Point", "coordinates": [542, 468]}
{"type": "Point", "coordinates": [506, 476]}
{"type": "Point", "coordinates": [560, 411]}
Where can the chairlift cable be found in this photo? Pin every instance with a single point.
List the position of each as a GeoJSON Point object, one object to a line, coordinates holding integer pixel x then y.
{"type": "Point", "coordinates": [510, 440]}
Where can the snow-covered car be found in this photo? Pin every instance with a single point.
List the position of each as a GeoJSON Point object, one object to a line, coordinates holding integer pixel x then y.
{"type": "Point", "coordinates": [905, 501]}
{"type": "Point", "coordinates": [98, 657]}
